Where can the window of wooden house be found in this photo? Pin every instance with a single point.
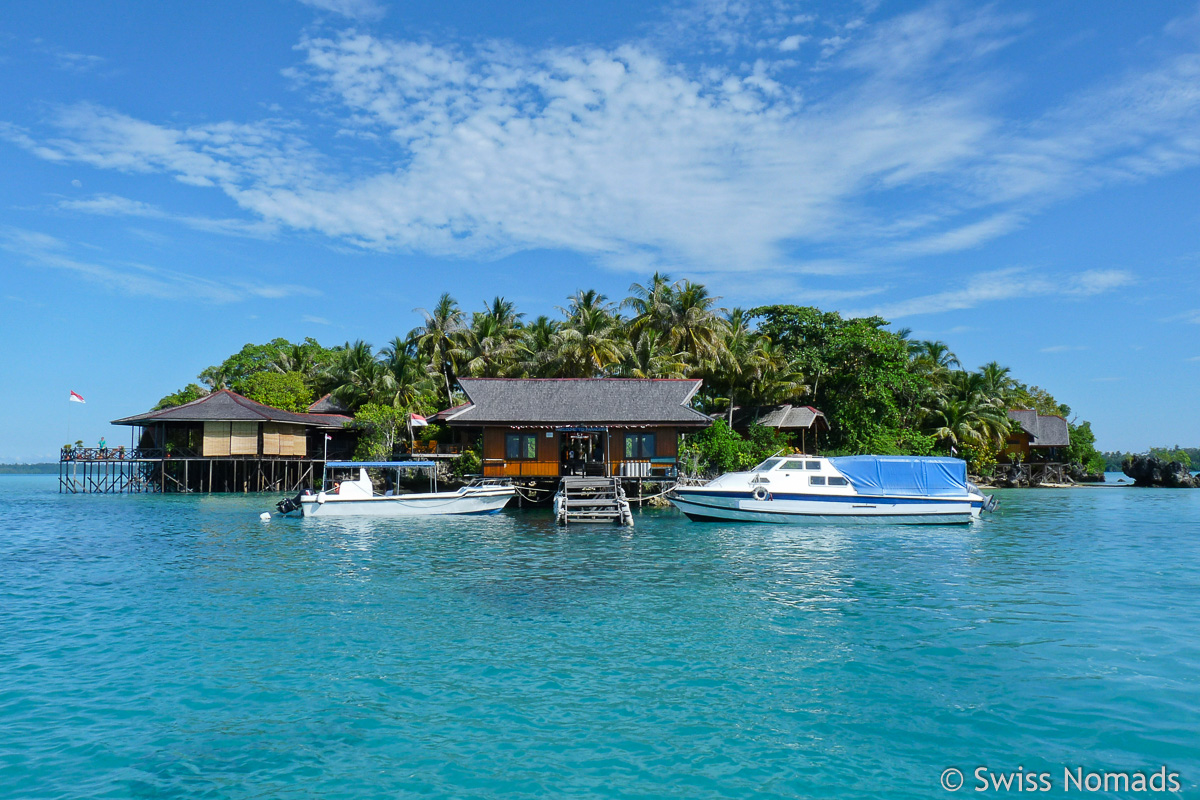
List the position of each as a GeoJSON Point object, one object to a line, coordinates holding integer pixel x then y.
{"type": "Point", "coordinates": [640, 445]}
{"type": "Point", "coordinates": [520, 446]}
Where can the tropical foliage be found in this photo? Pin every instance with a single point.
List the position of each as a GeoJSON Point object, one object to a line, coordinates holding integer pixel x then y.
{"type": "Point", "coordinates": [881, 391]}
{"type": "Point", "coordinates": [286, 390]}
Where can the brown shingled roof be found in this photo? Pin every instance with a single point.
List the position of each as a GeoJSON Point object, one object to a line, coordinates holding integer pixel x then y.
{"type": "Point", "coordinates": [226, 406]}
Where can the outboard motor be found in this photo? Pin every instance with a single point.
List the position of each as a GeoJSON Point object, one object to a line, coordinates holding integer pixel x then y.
{"type": "Point", "coordinates": [288, 504]}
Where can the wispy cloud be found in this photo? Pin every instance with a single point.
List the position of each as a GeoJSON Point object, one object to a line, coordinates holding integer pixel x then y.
{"type": "Point", "coordinates": [69, 61]}
{"type": "Point", "coordinates": [39, 250]}
{"type": "Point", "coordinates": [1062, 348]}
{"type": "Point", "coordinates": [1006, 284]}
{"type": "Point", "coordinates": [116, 206]}
{"type": "Point", "coordinates": [1192, 316]}
{"type": "Point", "coordinates": [641, 160]}
{"type": "Point", "coordinates": [355, 9]}
{"type": "Point", "coordinates": [315, 320]}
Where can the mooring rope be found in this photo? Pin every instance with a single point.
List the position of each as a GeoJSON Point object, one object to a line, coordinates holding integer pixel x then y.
{"type": "Point", "coordinates": [653, 496]}
{"type": "Point", "coordinates": [520, 490]}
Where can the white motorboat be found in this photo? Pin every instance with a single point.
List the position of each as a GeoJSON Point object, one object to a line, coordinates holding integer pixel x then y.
{"type": "Point", "coordinates": [849, 489]}
{"type": "Point", "coordinates": [355, 494]}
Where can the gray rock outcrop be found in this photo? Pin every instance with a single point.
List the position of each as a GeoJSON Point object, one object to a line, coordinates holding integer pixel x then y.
{"type": "Point", "coordinates": [1151, 471]}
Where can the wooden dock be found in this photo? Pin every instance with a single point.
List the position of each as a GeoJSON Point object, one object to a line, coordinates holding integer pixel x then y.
{"type": "Point", "coordinates": [120, 470]}
{"type": "Point", "coordinates": [592, 500]}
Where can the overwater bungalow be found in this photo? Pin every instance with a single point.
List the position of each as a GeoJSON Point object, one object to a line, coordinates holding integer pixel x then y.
{"type": "Point", "coordinates": [223, 442]}
{"type": "Point", "coordinates": [1036, 446]}
{"type": "Point", "coordinates": [550, 428]}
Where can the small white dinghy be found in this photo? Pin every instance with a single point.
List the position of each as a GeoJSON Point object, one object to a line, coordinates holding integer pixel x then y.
{"type": "Point", "coordinates": [798, 490]}
{"type": "Point", "coordinates": [357, 496]}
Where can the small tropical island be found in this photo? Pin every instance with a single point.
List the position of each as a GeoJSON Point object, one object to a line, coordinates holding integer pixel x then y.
{"type": "Point", "coordinates": [862, 386]}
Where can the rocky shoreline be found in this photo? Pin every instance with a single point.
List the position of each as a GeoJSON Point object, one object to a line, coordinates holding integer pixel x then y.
{"type": "Point", "coordinates": [1152, 471]}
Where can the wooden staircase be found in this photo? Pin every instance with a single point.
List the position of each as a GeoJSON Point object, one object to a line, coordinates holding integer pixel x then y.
{"type": "Point", "coordinates": [592, 500]}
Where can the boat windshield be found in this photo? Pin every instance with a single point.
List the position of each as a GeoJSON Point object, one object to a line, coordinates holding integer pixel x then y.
{"type": "Point", "coordinates": [767, 465]}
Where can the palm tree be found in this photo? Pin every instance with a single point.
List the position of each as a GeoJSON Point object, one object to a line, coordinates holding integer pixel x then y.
{"type": "Point", "coordinates": [773, 375]}
{"type": "Point", "coordinates": [535, 347]}
{"type": "Point", "coordinates": [485, 350]}
{"type": "Point", "coordinates": [214, 378]}
{"type": "Point", "coordinates": [651, 304]}
{"type": "Point", "coordinates": [971, 420]}
{"type": "Point", "coordinates": [436, 339]}
{"type": "Point", "coordinates": [411, 385]}
{"type": "Point", "coordinates": [997, 380]}
{"type": "Point", "coordinates": [590, 342]}
{"type": "Point", "coordinates": [649, 357]}
{"type": "Point", "coordinates": [694, 326]}
{"type": "Point", "coordinates": [934, 358]}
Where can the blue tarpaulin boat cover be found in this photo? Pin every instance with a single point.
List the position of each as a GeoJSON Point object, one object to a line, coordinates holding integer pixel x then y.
{"type": "Point", "coordinates": [916, 476]}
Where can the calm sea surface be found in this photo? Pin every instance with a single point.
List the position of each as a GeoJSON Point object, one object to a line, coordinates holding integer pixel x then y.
{"type": "Point", "coordinates": [179, 647]}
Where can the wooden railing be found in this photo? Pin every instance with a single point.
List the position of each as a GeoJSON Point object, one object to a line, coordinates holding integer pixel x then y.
{"type": "Point", "coordinates": [632, 468]}
{"type": "Point", "coordinates": [498, 468]}
{"type": "Point", "coordinates": [109, 453]}
{"type": "Point", "coordinates": [434, 448]}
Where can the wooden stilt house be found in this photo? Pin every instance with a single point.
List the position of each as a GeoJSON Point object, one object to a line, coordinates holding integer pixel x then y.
{"type": "Point", "coordinates": [223, 442]}
{"type": "Point", "coordinates": [549, 428]}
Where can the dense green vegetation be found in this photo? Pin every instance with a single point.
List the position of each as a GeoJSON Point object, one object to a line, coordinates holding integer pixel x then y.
{"type": "Point", "coordinates": [881, 391]}
{"type": "Point", "coordinates": [28, 469]}
{"type": "Point", "coordinates": [1188, 456]}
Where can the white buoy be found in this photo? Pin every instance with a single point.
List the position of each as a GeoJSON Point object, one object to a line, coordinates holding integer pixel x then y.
{"type": "Point", "coordinates": [265, 516]}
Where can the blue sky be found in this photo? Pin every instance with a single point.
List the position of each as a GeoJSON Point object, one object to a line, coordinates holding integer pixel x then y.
{"type": "Point", "coordinates": [1019, 179]}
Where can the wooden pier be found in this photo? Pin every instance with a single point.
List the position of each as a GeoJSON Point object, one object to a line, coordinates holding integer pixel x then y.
{"type": "Point", "coordinates": [592, 500]}
{"type": "Point", "coordinates": [121, 470]}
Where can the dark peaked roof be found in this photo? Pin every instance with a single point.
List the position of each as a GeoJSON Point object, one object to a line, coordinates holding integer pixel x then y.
{"type": "Point", "coordinates": [226, 406]}
{"type": "Point", "coordinates": [327, 405]}
{"type": "Point", "coordinates": [1045, 430]}
{"type": "Point", "coordinates": [576, 401]}
{"type": "Point", "coordinates": [784, 417]}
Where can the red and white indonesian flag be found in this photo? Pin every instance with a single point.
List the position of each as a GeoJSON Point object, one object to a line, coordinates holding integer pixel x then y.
{"type": "Point", "coordinates": [417, 420]}
{"type": "Point", "coordinates": [76, 397]}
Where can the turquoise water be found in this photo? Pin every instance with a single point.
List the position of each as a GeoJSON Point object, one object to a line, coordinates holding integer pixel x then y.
{"type": "Point", "coordinates": [155, 647]}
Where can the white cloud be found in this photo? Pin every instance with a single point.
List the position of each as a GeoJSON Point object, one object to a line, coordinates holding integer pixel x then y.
{"type": "Point", "coordinates": [1006, 284]}
{"type": "Point", "coordinates": [642, 161]}
{"type": "Point", "coordinates": [38, 250]}
{"type": "Point", "coordinates": [792, 43]}
{"type": "Point", "coordinates": [117, 206]}
{"type": "Point", "coordinates": [315, 320]}
{"type": "Point", "coordinates": [1192, 316]}
{"type": "Point", "coordinates": [1062, 348]}
{"type": "Point", "coordinates": [355, 9]}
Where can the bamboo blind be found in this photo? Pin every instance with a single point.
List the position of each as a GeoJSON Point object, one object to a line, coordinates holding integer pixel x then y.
{"type": "Point", "coordinates": [243, 439]}
{"type": "Point", "coordinates": [271, 437]}
{"type": "Point", "coordinates": [216, 438]}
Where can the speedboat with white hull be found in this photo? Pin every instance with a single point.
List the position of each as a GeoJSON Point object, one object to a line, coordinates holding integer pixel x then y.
{"type": "Point", "coordinates": [801, 490]}
{"type": "Point", "coordinates": [356, 495]}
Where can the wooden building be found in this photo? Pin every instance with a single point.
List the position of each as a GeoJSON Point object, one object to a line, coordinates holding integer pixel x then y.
{"type": "Point", "coordinates": [223, 442]}
{"type": "Point", "coordinates": [1036, 437]}
{"type": "Point", "coordinates": [1035, 449]}
{"type": "Point", "coordinates": [549, 428]}
{"type": "Point", "coordinates": [802, 423]}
